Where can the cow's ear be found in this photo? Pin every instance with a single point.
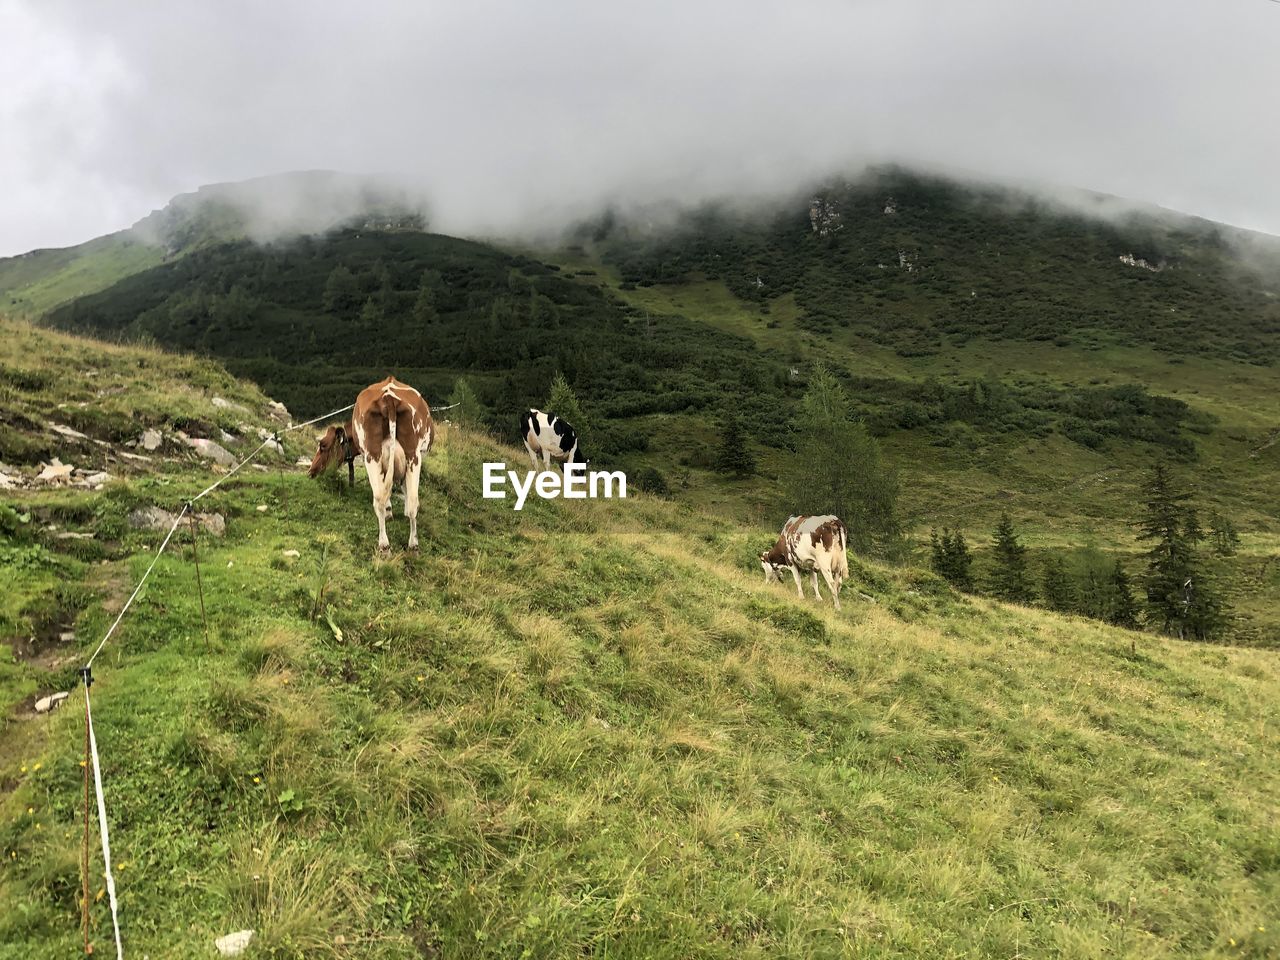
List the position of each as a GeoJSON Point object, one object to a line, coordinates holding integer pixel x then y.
{"type": "Point", "coordinates": [339, 433]}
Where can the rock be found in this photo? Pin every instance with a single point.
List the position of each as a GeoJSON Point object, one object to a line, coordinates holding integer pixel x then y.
{"type": "Point", "coordinates": [66, 636]}
{"type": "Point", "coordinates": [151, 440]}
{"type": "Point", "coordinates": [161, 520]}
{"type": "Point", "coordinates": [234, 944]}
{"type": "Point", "coordinates": [63, 430]}
{"type": "Point", "coordinates": [229, 437]}
{"type": "Point", "coordinates": [96, 480]}
{"type": "Point", "coordinates": [222, 404]}
{"type": "Point", "coordinates": [292, 553]}
{"type": "Point", "coordinates": [45, 704]}
{"type": "Point", "coordinates": [277, 411]}
{"type": "Point", "coordinates": [302, 462]}
{"type": "Point", "coordinates": [72, 535]}
{"type": "Point", "coordinates": [8, 483]}
{"type": "Point", "coordinates": [261, 508]}
{"type": "Point", "coordinates": [212, 451]}
{"type": "Point", "coordinates": [54, 472]}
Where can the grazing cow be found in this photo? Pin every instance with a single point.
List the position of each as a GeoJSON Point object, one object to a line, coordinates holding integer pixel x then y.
{"type": "Point", "coordinates": [391, 427]}
{"type": "Point", "coordinates": [551, 436]}
{"type": "Point", "coordinates": [813, 545]}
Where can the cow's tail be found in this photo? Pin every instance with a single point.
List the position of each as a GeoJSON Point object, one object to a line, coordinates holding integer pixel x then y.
{"type": "Point", "coordinates": [840, 566]}
{"type": "Point", "coordinates": [389, 408]}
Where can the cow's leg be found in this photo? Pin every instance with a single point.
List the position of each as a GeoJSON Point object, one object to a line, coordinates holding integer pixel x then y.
{"type": "Point", "coordinates": [799, 589]}
{"type": "Point", "coordinates": [814, 573]}
{"type": "Point", "coordinates": [380, 484]}
{"type": "Point", "coordinates": [546, 459]}
{"type": "Point", "coordinates": [833, 584]}
{"type": "Point", "coordinates": [412, 474]}
{"type": "Point", "coordinates": [533, 457]}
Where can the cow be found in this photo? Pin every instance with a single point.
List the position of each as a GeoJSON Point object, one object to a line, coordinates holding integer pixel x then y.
{"type": "Point", "coordinates": [391, 427]}
{"type": "Point", "coordinates": [551, 436]}
{"type": "Point", "coordinates": [813, 545]}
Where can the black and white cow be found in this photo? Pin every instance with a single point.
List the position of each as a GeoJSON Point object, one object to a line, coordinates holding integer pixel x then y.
{"type": "Point", "coordinates": [551, 436]}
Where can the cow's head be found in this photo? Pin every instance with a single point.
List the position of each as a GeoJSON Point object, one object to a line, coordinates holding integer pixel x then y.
{"type": "Point", "coordinates": [772, 571]}
{"type": "Point", "coordinates": [575, 456]}
{"type": "Point", "coordinates": [331, 449]}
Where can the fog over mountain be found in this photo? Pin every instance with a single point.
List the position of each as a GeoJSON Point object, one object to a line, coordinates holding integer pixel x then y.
{"type": "Point", "coordinates": [510, 117]}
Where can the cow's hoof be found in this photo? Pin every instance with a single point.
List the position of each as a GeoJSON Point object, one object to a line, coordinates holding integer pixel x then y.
{"type": "Point", "coordinates": [384, 549]}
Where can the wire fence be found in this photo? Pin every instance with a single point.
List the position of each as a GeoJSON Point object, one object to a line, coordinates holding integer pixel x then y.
{"type": "Point", "coordinates": [92, 762]}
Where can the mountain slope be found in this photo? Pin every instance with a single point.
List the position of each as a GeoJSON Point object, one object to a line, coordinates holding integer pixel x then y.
{"type": "Point", "coordinates": [588, 728]}
{"type": "Point", "coordinates": [264, 209]}
{"type": "Point", "coordinates": [1009, 360]}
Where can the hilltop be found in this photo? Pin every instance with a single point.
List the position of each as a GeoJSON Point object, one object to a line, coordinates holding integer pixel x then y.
{"type": "Point", "coordinates": [587, 728]}
{"type": "Point", "coordinates": [1010, 353]}
{"type": "Point", "coordinates": [263, 209]}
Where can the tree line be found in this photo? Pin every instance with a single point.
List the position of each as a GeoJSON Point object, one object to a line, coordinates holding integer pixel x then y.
{"type": "Point", "coordinates": [1176, 595]}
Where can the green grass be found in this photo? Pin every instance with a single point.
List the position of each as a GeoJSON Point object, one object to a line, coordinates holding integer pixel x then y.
{"type": "Point", "coordinates": [589, 729]}
{"type": "Point", "coordinates": [38, 281]}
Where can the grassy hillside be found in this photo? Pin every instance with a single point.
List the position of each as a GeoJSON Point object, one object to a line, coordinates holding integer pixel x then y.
{"type": "Point", "coordinates": [37, 281]}
{"type": "Point", "coordinates": [1009, 360]}
{"type": "Point", "coordinates": [588, 728]}
{"type": "Point", "coordinates": [292, 204]}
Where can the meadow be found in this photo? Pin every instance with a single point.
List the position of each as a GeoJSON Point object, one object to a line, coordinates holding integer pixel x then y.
{"type": "Point", "coordinates": [587, 728]}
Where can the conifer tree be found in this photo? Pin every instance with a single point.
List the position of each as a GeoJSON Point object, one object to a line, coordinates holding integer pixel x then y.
{"type": "Point", "coordinates": [1059, 591]}
{"type": "Point", "coordinates": [1009, 580]}
{"type": "Point", "coordinates": [467, 408]}
{"type": "Point", "coordinates": [1223, 537]}
{"type": "Point", "coordinates": [563, 402]}
{"type": "Point", "coordinates": [950, 558]}
{"type": "Point", "coordinates": [1122, 610]}
{"type": "Point", "coordinates": [837, 468]}
{"type": "Point", "coordinates": [1181, 599]}
{"type": "Point", "coordinates": [734, 456]}
{"type": "Point", "coordinates": [1094, 595]}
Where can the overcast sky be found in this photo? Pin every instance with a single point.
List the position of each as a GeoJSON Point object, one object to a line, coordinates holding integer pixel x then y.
{"type": "Point", "coordinates": [516, 111]}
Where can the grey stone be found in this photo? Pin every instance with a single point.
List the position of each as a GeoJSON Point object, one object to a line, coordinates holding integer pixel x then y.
{"type": "Point", "coordinates": [45, 704]}
{"type": "Point", "coordinates": [151, 440]}
{"type": "Point", "coordinates": [234, 944]}
{"type": "Point", "coordinates": [211, 450]}
{"type": "Point", "coordinates": [161, 520]}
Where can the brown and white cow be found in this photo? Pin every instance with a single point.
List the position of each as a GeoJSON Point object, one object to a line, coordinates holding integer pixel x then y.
{"type": "Point", "coordinates": [391, 427]}
{"type": "Point", "coordinates": [813, 545]}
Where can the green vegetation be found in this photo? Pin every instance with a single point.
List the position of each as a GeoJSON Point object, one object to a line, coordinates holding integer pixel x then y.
{"type": "Point", "coordinates": [589, 729]}
{"type": "Point", "coordinates": [1010, 361]}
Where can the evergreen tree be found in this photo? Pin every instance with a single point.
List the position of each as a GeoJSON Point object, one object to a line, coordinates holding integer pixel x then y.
{"type": "Point", "coordinates": [563, 402]}
{"type": "Point", "coordinates": [1059, 590]}
{"type": "Point", "coordinates": [424, 304]}
{"type": "Point", "coordinates": [1191, 528]}
{"type": "Point", "coordinates": [1169, 561]}
{"type": "Point", "coordinates": [837, 468]}
{"type": "Point", "coordinates": [951, 559]}
{"type": "Point", "coordinates": [371, 314]}
{"type": "Point", "coordinates": [1123, 607]}
{"type": "Point", "coordinates": [467, 408]}
{"type": "Point", "coordinates": [1094, 595]}
{"type": "Point", "coordinates": [1223, 537]}
{"type": "Point", "coordinates": [1009, 580]}
{"type": "Point", "coordinates": [340, 290]}
{"type": "Point", "coordinates": [734, 456]}
{"type": "Point", "coordinates": [1181, 599]}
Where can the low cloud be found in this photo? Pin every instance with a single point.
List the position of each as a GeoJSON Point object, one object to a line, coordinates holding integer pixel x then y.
{"type": "Point", "coordinates": [524, 116]}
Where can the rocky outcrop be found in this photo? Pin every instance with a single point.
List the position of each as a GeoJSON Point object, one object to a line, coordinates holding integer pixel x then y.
{"type": "Point", "coordinates": [162, 521]}
{"type": "Point", "coordinates": [824, 216]}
